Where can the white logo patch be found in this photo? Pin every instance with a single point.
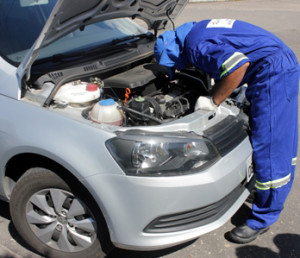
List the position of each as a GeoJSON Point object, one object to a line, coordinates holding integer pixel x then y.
{"type": "Point", "coordinates": [221, 23]}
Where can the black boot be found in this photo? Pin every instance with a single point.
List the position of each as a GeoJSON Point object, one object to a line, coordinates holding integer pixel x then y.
{"type": "Point", "coordinates": [245, 234]}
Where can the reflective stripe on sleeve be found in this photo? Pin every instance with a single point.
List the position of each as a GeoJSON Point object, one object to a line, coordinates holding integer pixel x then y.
{"type": "Point", "coordinates": [232, 61]}
{"type": "Point", "coordinates": [273, 184]}
{"type": "Point", "coordinates": [294, 161]}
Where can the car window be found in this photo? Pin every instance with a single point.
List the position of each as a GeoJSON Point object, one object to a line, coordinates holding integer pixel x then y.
{"type": "Point", "coordinates": [21, 22]}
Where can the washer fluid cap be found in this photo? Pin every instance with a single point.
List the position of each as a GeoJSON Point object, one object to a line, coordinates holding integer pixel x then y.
{"type": "Point", "coordinates": [106, 111]}
{"type": "Point", "coordinates": [107, 102]}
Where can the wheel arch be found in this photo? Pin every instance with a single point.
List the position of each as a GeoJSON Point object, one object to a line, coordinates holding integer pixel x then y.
{"type": "Point", "coordinates": [20, 163]}
{"type": "Point", "coordinates": [17, 166]}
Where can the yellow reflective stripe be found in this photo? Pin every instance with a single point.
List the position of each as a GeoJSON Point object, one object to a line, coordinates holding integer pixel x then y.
{"type": "Point", "coordinates": [262, 188]}
{"type": "Point", "coordinates": [232, 62]}
{"type": "Point", "coordinates": [273, 184]}
{"type": "Point", "coordinates": [294, 161]}
{"type": "Point", "coordinates": [231, 59]}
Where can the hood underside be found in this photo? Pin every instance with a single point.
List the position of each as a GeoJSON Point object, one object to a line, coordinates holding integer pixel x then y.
{"type": "Point", "coordinates": [69, 15]}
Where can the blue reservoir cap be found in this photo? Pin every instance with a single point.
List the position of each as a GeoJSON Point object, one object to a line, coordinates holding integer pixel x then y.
{"type": "Point", "coordinates": [107, 102]}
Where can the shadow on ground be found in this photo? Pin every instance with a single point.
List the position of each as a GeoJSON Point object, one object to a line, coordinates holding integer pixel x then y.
{"type": "Point", "coordinates": [4, 213]}
{"type": "Point", "coordinates": [117, 253]}
{"type": "Point", "coordinates": [288, 245]}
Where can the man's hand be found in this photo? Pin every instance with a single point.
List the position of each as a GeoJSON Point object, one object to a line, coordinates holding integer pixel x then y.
{"type": "Point", "coordinates": [205, 103]}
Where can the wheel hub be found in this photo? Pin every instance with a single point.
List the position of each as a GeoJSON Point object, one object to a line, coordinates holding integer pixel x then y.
{"type": "Point", "coordinates": [61, 220]}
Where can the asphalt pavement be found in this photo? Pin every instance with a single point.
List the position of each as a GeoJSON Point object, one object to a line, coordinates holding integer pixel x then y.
{"type": "Point", "coordinates": [282, 17]}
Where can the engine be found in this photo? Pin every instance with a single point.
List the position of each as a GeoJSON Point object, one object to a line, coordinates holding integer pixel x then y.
{"type": "Point", "coordinates": [146, 97]}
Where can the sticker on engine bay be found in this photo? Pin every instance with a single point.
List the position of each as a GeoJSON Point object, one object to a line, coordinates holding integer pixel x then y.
{"type": "Point", "coordinates": [221, 23]}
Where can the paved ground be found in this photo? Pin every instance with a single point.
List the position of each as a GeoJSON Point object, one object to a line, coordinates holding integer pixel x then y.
{"type": "Point", "coordinates": [282, 17]}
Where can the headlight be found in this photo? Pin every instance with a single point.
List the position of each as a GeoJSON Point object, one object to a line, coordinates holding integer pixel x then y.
{"type": "Point", "coordinates": [156, 155]}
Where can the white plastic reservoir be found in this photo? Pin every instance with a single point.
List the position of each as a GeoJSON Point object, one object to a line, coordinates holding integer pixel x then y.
{"type": "Point", "coordinates": [106, 111]}
{"type": "Point", "coordinates": [78, 93]}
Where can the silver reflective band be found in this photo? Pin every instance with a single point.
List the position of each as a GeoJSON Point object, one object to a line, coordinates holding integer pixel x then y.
{"type": "Point", "coordinates": [273, 184]}
{"type": "Point", "coordinates": [232, 62]}
{"type": "Point", "coordinates": [294, 161]}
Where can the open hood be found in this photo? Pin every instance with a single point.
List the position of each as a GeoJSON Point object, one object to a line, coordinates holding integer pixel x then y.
{"type": "Point", "coordinates": [69, 15]}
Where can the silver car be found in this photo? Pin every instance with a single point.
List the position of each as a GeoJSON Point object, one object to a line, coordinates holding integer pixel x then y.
{"type": "Point", "coordinates": [98, 148]}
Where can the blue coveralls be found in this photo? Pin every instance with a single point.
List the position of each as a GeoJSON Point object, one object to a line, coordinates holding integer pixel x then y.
{"type": "Point", "coordinates": [219, 47]}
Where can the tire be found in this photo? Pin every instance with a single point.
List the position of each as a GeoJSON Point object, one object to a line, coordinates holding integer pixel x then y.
{"type": "Point", "coordinates": [55, 220]}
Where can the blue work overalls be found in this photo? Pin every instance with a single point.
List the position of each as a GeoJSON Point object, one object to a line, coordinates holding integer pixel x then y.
{"type": "Point", "coordinates": [219, 47]}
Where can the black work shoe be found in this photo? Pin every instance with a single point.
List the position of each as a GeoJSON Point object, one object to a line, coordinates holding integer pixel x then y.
{"type": "Point", "coordinates": [244, 234]}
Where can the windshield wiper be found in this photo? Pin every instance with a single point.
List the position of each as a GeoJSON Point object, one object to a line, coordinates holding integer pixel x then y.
{"type": "Point", "coordinates": [113, 46]}
{"type": "Point", "coordinates": [72, 56]}
{"type": "Point", "coordinates": [120, 43]}
{"type": "Point", "coordinates": [148, 35]}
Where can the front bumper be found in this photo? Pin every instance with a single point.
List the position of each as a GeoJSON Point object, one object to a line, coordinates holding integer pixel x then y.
{"type": "Point", "coordinates": [197, 217]}
{"type": "Point", "coordinates": [135, 208]}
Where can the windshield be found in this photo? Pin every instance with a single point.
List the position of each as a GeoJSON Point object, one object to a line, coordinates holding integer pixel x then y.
{"type": "Point", "coordinates": [21, 22]}
{"type": "Point", "coordinates": [93, 35]}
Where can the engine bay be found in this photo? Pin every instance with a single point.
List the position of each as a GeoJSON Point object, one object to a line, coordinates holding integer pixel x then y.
{"type": "Point", "coordinates": [140, 96]}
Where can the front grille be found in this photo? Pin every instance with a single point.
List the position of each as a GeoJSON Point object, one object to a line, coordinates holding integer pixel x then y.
{"type": "Point", "coordinates": [198, 217]}
{"type": "Point", "coordinates": [227, 134]}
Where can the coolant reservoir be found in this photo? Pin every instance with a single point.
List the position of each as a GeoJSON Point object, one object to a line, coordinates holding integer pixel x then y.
{"type": "Point", "coordinates": [78, 94]}
{"type": "Point", "coordinates": [106, 111]}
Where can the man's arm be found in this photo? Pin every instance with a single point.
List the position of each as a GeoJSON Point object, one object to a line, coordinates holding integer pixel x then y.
{"type": "Point", "coordinates": [228, 84]}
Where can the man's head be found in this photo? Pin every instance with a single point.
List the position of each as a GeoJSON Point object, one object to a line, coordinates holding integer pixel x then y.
{"type": "Point", "coordinates": [169, 47]}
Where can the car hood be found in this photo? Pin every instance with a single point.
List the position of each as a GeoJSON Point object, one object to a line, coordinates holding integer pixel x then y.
{"type": "Point", "coordinates": [69, 15]}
